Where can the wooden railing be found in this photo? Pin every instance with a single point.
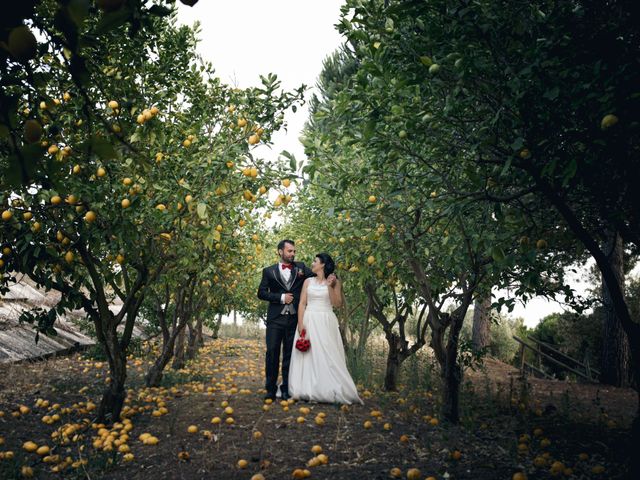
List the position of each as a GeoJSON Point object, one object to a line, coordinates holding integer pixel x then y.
{"type": "Point", "coordinates": [544, 350]}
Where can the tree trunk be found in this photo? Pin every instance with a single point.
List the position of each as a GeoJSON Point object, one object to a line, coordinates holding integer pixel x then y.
{"type": "Point", "coordinates": [178, 354]}
{"type": "Point", "coordinates": [342, 329]}
{"type": "Point", "coordinates": [393, 362]}
{"type": "Point", "coordinates": [481, 323]}
{"type": "Point", "coordinates": [155, 373]}
{"type": "Point", "coordinates": [113, 396]}
{"type": "Point", "coordinates": [235, 319]}
{"type": "Point", "coordinates": [615, 358]}
{"type": "Point", "coordinates": [363, 334]}
{"type": "Point", "coordinates": [192, 341]}
{"type": "Point", "coordinates": [437, 342]}
{"type": "Point", "coordinates": [452, 373]}
{"type": "Point", "coordinates": [106, 325]}
{"type": "Point", "coordinates": [199, 337]}
{"type": "Point", "coordinates": [216, 327]}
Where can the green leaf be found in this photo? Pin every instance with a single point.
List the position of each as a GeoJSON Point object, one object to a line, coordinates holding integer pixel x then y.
{"type": "Point", "coordinates": [388, 25]}
{"type": "Point", "coordinates": [497, 254]}
{"type": "Point", "coordinates": [552, 94]}
{"type": "Point", "coordinates": [517, 144]}
{"type": "Point", "coordinates": [208, 242]}
{"type": "Point", "coordinates": [369, 130]}
{"type": "Point", "coordinates": [292, 159]}
{"type": "Point", "coordinates": [201, 209]}
{"type": "Point", "coordinates": [135, 137]}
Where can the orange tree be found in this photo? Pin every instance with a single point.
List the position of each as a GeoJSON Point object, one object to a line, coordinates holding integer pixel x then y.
{"type": "Point", "coordinates": [120, 161]}
{"type": "Point", "coordinates": [413, 250]}
{"type": "Point", "coordinates": [414, 267]}
{"type": "Point", "coordinates": [525, 97]}
{"type": "Point", "coordinates": [188, 297]}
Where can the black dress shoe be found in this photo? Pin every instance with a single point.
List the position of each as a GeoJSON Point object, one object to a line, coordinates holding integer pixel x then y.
{"type": "Point", "coordinates": [270, 396]}
{"type": "Point", "coordinates": [285, 396]}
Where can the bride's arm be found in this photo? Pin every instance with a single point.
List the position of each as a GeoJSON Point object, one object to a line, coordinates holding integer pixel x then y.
{"type": "Point", "coordinates": [335, 294]}
{"type": "Point", "coordinates": [302, 305]}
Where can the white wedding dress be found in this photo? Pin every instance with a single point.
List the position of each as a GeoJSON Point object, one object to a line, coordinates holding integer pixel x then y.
{"type": "Point", "coordinates": [320, 374]}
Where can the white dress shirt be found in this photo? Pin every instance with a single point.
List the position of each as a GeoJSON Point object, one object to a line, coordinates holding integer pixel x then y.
{"type": "Point", "coordinates": [286, 275]}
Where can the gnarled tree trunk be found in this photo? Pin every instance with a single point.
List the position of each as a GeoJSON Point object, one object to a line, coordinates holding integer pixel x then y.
{"type": "Point", "coordinates": [481, 333]}
{"type": "Point", "coordinates": [114, 394]}
{"type": "Point", "coordinates": [155, 373]}
{"type": "Point", "coordinates": [199, 336]}
{"type": "Point", "coordinates": [106, 324]}
{"type": "Point", "coordinates": [192, 340]}
{"type": "Point", "coordinates": [399, 349]}
{"type": "Point", "coordinates": [616, 355]}
{"type": "Point", "coordinates": [179, 351]}
{"type": "Point", "coordinates": [394, 360]}
{"type": "Point", "coordinates": [441, 322]}
{"type": "Point", "coordinates": [452, 372]}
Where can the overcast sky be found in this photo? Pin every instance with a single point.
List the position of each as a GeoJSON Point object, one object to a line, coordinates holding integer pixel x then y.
{"type": "Point", "coordinates": [290, 38]}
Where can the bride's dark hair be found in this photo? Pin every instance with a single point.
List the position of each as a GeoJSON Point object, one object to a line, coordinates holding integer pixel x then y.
{"type": "Point", "coordinates": [327, 261]}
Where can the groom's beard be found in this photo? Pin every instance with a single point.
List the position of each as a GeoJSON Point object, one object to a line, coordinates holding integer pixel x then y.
{"type": "Point", "coordinates": [288, 259]}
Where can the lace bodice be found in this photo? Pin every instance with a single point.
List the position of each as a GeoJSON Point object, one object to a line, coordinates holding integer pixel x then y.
{"type": "Point", "coordinates": [318, 297]}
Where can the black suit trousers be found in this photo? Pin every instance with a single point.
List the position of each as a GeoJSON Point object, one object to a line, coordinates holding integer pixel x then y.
{"type": "Point", "coordinates": [280, 336]}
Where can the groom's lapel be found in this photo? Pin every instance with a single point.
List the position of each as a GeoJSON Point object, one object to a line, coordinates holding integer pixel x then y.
{"type": "Point", "coordinates": [294, 274]}
{"type": "Point", "coordinates": [276, 275]}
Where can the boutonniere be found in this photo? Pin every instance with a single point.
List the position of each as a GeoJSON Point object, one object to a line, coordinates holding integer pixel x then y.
{"type": "Point", "coordinates": [300, 273]}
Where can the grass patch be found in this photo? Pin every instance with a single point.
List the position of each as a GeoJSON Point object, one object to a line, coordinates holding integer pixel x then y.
{"type": "Point", "coordinates": [249, 331]}
{"type": "Point", "coordinates": [171, 378]}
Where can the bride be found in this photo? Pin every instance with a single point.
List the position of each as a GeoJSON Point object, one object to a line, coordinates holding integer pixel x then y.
{"type": "Point", "coordinates": [320, 374]}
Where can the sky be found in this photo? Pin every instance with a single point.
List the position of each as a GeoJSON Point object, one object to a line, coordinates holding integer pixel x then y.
{"type": "Point", "coordinates": [290, 38]}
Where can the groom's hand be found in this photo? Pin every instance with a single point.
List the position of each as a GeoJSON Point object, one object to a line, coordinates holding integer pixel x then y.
{"type": "Point", "coordinates": [331, 280]}
{"type": "Point", "coordinates": [288, 298]}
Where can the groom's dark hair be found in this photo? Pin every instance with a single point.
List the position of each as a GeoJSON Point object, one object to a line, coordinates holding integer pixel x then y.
{"type": "Point", "coordinates": [327, 261]}
{"type": "Point", "coordinates": [282, 243]}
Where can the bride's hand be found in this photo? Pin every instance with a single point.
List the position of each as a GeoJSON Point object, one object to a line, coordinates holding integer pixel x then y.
{"type": "Point", "coordinates": [300, 328]}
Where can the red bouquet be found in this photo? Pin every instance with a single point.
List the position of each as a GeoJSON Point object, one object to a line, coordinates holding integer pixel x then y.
{"type": "Point", "coordinates": [303, 344]}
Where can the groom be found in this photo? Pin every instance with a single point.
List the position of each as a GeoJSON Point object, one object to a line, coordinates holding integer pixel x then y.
{"type": "Point", "coordinates": [281, 285]}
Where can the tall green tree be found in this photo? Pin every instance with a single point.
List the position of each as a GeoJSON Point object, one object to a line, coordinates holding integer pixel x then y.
{"type": "Point", "coordinates": [414, 250]}
{"type": "Point", "coordinates": [535, 101]}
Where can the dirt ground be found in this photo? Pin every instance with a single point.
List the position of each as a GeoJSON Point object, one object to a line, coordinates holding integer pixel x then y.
{"type": "Point", "coordinates": [542, 428]}
{"type": "Point", "coordinates": [584, 401]}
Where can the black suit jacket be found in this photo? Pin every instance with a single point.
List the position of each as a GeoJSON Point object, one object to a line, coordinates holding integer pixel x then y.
{"type": "Point", "coordinates": [272, 286]}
